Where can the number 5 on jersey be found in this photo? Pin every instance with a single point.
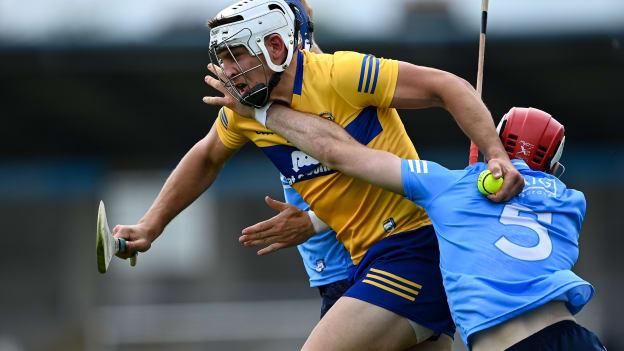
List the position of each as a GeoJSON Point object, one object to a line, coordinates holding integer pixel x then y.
{"type": "Point", "coordinates": [543, 248]}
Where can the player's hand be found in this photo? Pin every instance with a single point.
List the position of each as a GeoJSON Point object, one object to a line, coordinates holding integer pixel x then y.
{"type": "Point", "coordinates": [137, 239]}
{"type": "Point", "coordinates": [226, 100]}
{"type": "Point", "coordinates": [308, 9]}
{"type": "Point", "coordinates": [513, 184]}
{"type": "Point", "coordinates": [290, 227]}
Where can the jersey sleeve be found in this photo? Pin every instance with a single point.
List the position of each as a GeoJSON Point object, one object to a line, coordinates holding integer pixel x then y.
{"type": "Point", "coordinates": [364, 80]}
{"type": "Point", "coordinates": [424, 180]}
{"type": "Point", "coordinates": [226, 129]}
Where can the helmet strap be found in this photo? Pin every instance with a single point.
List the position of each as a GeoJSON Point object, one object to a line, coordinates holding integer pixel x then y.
{"type": "Point", "coordinates": [561, 170]}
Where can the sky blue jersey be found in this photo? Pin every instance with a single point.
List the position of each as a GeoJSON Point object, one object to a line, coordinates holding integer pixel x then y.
{"type": "Point", "coordinates": [500, 260]}
{"type": "Point", "coordinates": [325, 258]}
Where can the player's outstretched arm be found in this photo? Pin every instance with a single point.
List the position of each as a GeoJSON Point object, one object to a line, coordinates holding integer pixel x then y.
{"type": "Point", "coordinates": [327, 142]}
{"type": "Point", "coordinates": [194, 174]}
{"type": "Point", "coordinates": [422, 87]}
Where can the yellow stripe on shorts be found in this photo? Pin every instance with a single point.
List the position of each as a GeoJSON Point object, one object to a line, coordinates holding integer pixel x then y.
{"type": "Point", "coordinates": [394, 276]}
{"type": "Point", "coordinates": [389, 289]}
{"type": "Point", "coordinates": [395, 284]}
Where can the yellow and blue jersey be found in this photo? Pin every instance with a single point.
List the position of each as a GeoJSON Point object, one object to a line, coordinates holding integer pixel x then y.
{"type": "Point", "coordinates": [355, 91]}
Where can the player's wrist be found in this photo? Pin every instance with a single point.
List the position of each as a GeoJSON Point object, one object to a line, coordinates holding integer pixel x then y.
{"type": "Point", "coordinates": [495, 153]}
{"type": "Point", "coordinates": [151, 228]}
{"type": "Point", "coordinates": [276, 113]}
{"type": "Point", "coordinates": [260, 114]}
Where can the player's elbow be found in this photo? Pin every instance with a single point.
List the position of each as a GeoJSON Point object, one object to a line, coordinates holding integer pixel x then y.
{"type": "Point", "coordinates": [450, 80]}
{"type": "Point", "coordinates": [326, 151]}
{"type": "Point", "coordinates": [451, 87]}
{"type": "Point", "coordinates": [466, 84]}
{"type": "Point", "coordinates": [330, 153]}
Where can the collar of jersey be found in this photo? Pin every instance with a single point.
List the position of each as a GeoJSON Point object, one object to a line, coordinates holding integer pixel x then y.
{"type": "Point", "coordinates": [298, 85]}
{"type": "Point", "coordinates": [519, 164]}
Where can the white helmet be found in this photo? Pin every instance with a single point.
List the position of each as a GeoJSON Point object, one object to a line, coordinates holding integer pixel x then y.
{"type": "Point", "coordinates": [248, 22]}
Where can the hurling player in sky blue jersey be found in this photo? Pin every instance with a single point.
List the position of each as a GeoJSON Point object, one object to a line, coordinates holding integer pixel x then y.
{"type": "Point", "coordinates": [506, 266]}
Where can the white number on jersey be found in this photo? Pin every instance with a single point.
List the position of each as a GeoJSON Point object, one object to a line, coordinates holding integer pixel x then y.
{"type": "Point", "coordinates": [511, 216]}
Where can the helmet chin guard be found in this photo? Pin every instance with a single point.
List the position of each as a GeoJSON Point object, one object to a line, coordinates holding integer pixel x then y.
{"type": "Point", "coordinates": [259, 95]}
{"type": "Point", "coordinates": [246, 24]}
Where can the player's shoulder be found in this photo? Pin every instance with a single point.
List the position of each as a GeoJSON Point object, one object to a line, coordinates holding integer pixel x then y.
{"type": "Point", "coordinates": [345, 56]}
{"type": "Point", "coordinates": [355, 74]}
{"type": "Point", "coordinates": [311, 57]}
{"type": "Point", "coordinates": [425, 179]}
{"type": "Point", "coordinates": [573, 197]}
{"type": "Point", "coordinates": [316, 64]}
{"type": "Point", "coordinates": [468, 174]}
{"type": "Point", "coordinates": [541, 184]}
{"type": "Point", "coordinates": [349, 61]}
{"type": "Point", "coordinates": [568, 199]}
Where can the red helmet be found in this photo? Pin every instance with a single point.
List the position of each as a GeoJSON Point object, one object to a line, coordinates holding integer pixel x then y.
{"type": "Point", "coordinates": [533, 136]}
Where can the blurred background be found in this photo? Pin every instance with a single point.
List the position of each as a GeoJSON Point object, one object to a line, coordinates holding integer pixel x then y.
{"type": "Point", "coordinates": [100, 99]}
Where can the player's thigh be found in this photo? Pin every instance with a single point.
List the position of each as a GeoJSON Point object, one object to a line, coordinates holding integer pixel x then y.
{"type": "Point", "coordinates": [330, 293]}
{"type": "Point", "coordinates": [352, 324]}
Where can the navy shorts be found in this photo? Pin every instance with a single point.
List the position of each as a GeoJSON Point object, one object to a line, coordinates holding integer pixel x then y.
{"type": "Point", "coordinates": [561, 336]}
{"type": "Point", "coordinates": [401, 273]}
{"type": "Point", "coordinates": [330, 293]}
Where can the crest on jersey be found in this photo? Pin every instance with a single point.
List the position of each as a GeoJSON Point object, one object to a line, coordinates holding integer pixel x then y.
{"type": "Point", "coordinates": [320, 265]}
{"type": "Point", "coordinates": [389, 225]}
{"type": "Point", "coordinates": [327, 115]}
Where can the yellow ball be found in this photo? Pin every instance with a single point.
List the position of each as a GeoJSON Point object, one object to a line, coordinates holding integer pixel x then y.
{"type": "Point", "coordinates": [486, 183]}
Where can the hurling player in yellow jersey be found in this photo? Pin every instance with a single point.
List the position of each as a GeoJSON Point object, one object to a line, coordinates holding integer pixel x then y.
{"type": "Point", "coordinates": [397, 300]}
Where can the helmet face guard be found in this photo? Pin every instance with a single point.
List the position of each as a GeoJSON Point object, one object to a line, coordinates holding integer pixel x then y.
{"type": "Point", "coordinates": [257, 95]}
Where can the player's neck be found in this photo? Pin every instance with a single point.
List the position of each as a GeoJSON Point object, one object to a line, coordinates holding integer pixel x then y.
{"type": "Point", "coordinates": [284, 90]}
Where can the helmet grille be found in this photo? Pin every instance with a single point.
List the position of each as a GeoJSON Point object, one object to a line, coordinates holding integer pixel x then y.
{"type": "Point", "coordinates": [510, 142]}
{"type": "Point", "coordinates": [540, 153]}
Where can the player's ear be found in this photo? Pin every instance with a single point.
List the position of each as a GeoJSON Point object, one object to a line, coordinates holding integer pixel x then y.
{"type": "Point", "coordinates": [276, 48]}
